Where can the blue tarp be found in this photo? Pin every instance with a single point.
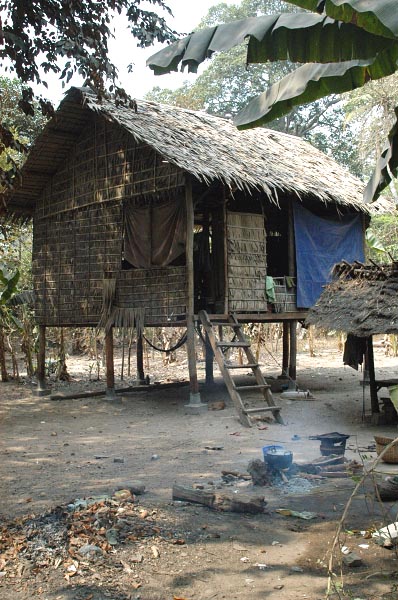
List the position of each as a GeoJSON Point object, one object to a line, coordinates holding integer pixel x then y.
{"type": "Point", "coordinates": [320, 244]}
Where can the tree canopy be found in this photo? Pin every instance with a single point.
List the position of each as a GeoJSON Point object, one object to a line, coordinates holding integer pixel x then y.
{"type": "Point", "coordinates": [344, 43]}
{"type": "Point", "coordinates": [67, 37]}
{"type": "Point", "coordinates": [224, 87]}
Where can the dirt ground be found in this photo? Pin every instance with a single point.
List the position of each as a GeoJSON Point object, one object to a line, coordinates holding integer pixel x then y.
{"type": "Point", "coordinates": [54, 452]}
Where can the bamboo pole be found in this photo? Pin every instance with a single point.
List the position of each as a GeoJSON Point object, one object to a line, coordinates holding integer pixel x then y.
{"type": "Point", "coordinates": [140, 360]}
{"type": "Point", "coordinates": [41, 389]}
{"type": "Point", "coordinates": [194, 397]}
{"type": "Point", "coordinates": [374, 400]}
{"type": "Point", "coordinates": [292, 272]}
{"type": "Point", "coordinates": [129, 353]}
{"type": "Point", "coordinates": [209, 361]}
{"type": "Point", "coordinates": [285, 349]}
{"type": "Point", "coordinates": [293, 351]}
{"type": "Point", "coordinates": [225, 250]}
{"type": "Point", "coordinates": [123, 340]}
{"type": "Point", "coordinates": [110, 367]}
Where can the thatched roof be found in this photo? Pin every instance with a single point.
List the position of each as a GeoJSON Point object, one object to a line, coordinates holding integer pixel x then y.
{"type": "Point", "coordinates": [208, 147]}
{"type": "Point", "coordinates": [362, 300]}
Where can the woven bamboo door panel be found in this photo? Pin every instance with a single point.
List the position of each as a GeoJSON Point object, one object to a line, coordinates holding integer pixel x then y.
{"type": "Point", "coordinates": [247, 262]}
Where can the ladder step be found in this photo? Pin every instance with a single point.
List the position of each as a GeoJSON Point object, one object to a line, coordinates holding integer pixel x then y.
{"type": "Point", "coordinates": [252, 411]}
{"type": "Point", "coordinates": [237, 366]}
{"type": "Point", "coordinates": [263, 386]}
{"type": "Point", "coordinates": [233, 345]}
{"type": "Point", "coordinates": [239, 341]}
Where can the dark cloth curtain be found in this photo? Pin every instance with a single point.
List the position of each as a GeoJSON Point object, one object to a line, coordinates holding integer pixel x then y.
{"type": "Point", "coordinates": [154, 236]}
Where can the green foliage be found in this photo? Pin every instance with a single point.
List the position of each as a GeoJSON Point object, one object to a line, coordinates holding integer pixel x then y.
{"type": "Point", "coordinates": [225, 86]}
{"type": "Point", "coordinates": [344, 43]}
{"type": "Point", "coordinates": [370, 112]}
{"type": "Point", "coordinates": [9, 282]}
{"type": "Point", "coordinates": [384, 234]}
{"type": "Point", "coordinates": [16, 251]}
{"type": "Point", "coordinates": [373, 241]}
{"type": "Point", "coordinates": [8, 288]}
{"type": "Point", "coordinates": [24, 128]}
{"type": "Point", "coordinates": [68, 37]}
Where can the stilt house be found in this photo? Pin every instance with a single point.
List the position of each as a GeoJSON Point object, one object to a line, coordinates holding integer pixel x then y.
{"type": "Point", "coordinates": [145, 216]}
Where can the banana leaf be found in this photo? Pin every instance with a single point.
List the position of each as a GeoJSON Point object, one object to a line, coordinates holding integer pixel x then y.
{"type": "Point", "coordinates": [313, 81]}
{"type": "Point", "coordinates": [376, 16]}
{"type": "Point", "coordinates": [10, 281]}
{"type": "Point", "coordinates": [386, 166]}
{"type": "Point", "coordinates": [373, 241]}
{"type": "Point", "coordinates": [302, 37]}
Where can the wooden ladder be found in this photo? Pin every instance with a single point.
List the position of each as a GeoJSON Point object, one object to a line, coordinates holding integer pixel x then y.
{"type": "Point", "coordinates": [226, 368]}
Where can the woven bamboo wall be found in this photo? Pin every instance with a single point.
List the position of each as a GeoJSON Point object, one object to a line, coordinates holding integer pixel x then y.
{"type": "Point", "coordinates": [161, 291]}
{"type": "Point", "coordinates": [107, 165]}
{"type": "Point", "coordinates": [78, 225]}
{"type": "Point", "coordinates": [71, 251]}
{"type": "Point", "coordinates": [247, 263]}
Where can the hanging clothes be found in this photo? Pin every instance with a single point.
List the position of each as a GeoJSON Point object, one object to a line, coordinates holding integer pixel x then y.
{"type": "Point", "coordinates": [354, 351]}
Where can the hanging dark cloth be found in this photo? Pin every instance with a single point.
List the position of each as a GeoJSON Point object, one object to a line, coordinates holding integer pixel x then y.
{"type": "Point", "coordinates": [154, 236]}
{"type": "Point", "coordinates": [354, 351]}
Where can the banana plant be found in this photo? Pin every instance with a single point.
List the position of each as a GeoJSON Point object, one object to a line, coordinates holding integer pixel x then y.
{"type": "Point", "coordinates": [8, 290]}
{"type": "Point", "coordinates": [8, 319]}
{"type": "Point", "coordinates": [373, 242]}
{"type": "Point", "coordinates": [343, 43]}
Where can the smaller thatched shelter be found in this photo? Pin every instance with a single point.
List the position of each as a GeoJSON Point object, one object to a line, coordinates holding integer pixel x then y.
{"type": "Point", "coordinates": [362, 300]}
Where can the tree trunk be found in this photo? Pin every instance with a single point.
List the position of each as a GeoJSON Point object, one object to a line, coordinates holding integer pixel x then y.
{"type": "Point", "coordinates": [3, 368]}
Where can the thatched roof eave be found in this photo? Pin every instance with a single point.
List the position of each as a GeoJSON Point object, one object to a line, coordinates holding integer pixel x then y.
{"type": "Point", "coordinates": [207, 147]}
{"type": "Point", "coordinates": [357, 305]}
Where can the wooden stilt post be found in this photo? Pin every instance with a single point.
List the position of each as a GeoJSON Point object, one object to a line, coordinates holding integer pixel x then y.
{"type": "Point", "coordinates": [292, 324]}
{"type": "Point", "coordinates": [42, 389]}
{"type": "Point", "coordinates": [195, 404]}
{"type": "Point", "coordinates": [140, 360]}
{"type": "Point", "coordinates": [110, 367]}
{"type": "Point", "coordinates": [209, 360]}
{"type": "Point", "coordinates": [285, 350]}
{"type": "Point", "coordinates": [374, 400]}
{"type": "Point", "coordinates": [293, 352]}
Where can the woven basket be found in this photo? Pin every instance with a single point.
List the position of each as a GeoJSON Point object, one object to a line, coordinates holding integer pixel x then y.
{"type": "Point", "coordinates": [392, 455]}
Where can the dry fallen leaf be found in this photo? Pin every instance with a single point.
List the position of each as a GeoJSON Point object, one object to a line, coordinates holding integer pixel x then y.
{"type": "Point", "coordinates": [74, 541]}
{"type": "Point", "coordinates": [136, 585]}
{"type": "Point", "coordinates": [127, 567]}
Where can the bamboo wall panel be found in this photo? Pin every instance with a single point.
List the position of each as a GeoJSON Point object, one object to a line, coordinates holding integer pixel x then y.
{"type": "Point", "coordinates": [247, 263]}
{"type": "Point", "coordinates": [161, 291]}
{"type": "Point", "coordinates": [78, 228]}
{"type": "Point", "coordinates": [70, 260]}
{"type": "Point", "coordinates": [107, 165]}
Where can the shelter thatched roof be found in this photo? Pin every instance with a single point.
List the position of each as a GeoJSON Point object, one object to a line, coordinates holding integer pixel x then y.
{"type": "Point", "coordinates": [208, 147]}
{"type": "Point", "coordinates": [362, 300]}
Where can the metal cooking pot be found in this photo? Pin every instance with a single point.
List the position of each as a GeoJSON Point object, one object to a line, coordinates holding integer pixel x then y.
{"type": "Point", "coordinates": [279, 459]}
